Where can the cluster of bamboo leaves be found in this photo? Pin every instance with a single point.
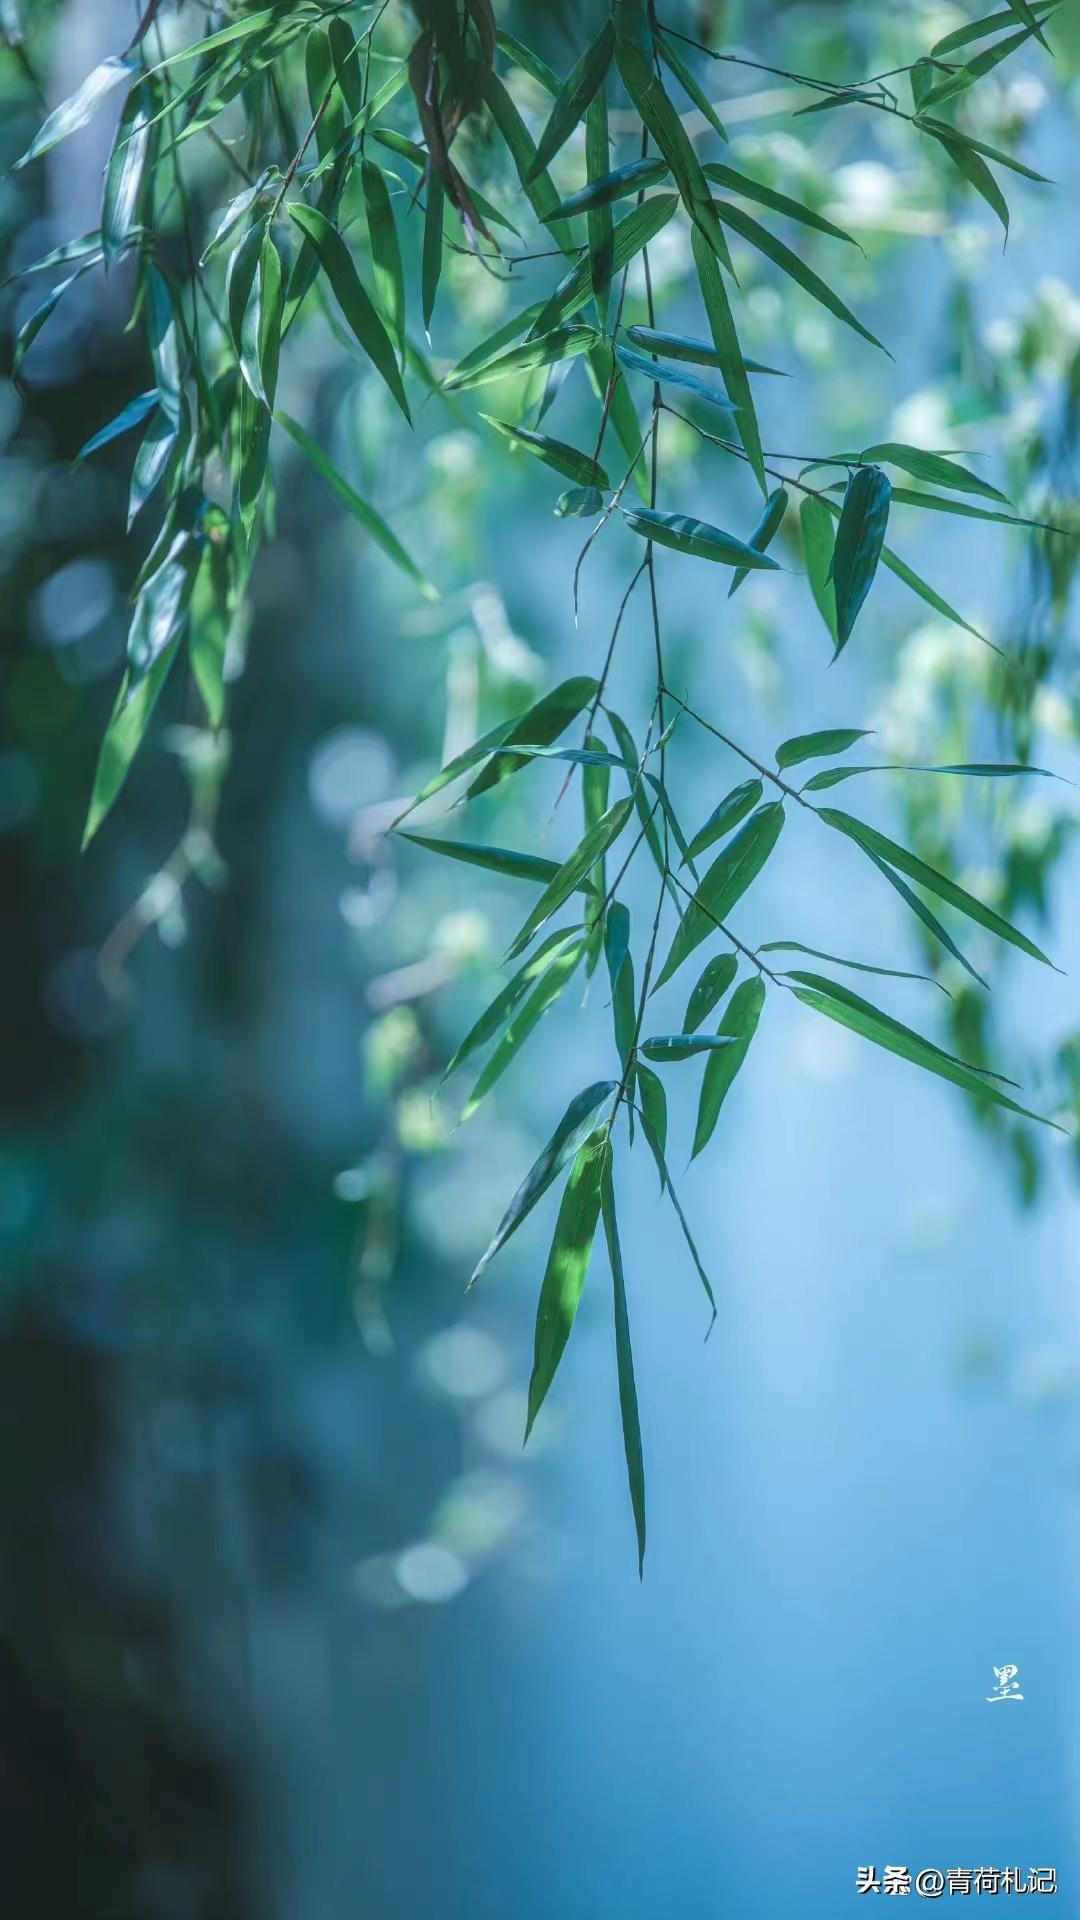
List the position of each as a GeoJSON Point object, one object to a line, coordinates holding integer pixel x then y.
{"type": "Point", "coordinates": [348, 196]}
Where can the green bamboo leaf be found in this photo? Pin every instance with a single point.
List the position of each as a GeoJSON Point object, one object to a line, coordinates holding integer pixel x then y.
{"type": "Point", "coordinates": [74, 113]}
{"type": "Point", "coordinates": [782, 256]}
{"type": "Point", "coordinates": [849, 1010]}
{"type": "Point", "coordinates": [710, 990]}
{"type": "Point", "coordinates": [239, 30]}
{"type": "Point", "coordinates": [351, 297]}
{"type": "Point", "coordinates": [621, 976]}
{"type": "Point", "coordinates": [500, 1009]}
{"type": "Point", "coordinates": [728, 352]}
{"type": "Point", "coordinates": [671, 57]}
{"type": "Point", "coordinates": [551, 983]}
{"type": "Point", "coordinates": [857, 966]}
{"type": "Point", "coordinates": [629, 752]}
{"type": "Point", "coordinates": [128, 722]}
{"type": "Point", "coordinates": [539, 191]}
{"type": "Point", "coordinates": [130, 416]}
{"type": "Point", "coordinates": [573, 98]}
{"type": "Point", "coordinates": [417, 158]}
{"type": "Point", "coordinates": [738, 1028]}
{"type": "Point", "coordinates": [629, 236]}
{"type": "Point", "coordinates": [156, 450]}
{"type": "Point", "coordinates": [574, 871]}
{"type": "Point", "coordinates": [385, 248]}
{"type": "Point", "coordinates": [161, 608]}
{"type": "Point", "coordinates": [431, 265]}
{"type": "Point", "coordinates": [859, 539]}
{"type": "Point", "coordinates": [516, 866]}
{"type": "Point", "coordinates": [948, 503]}
{"type": "Point", "coordinates": [529, 62]}
{"type": "Point", "coordinates": [731, 873]}
{"type": "Point", "coordinates": [372, 522]}
{"type": "Point", "coordinates": [239, 285]}
{"type": "Point", "coordinates": [30, 328]}
{"type": "Point", "coordinates": [672, 818]}
{"type": "Point", "coordinates": [815, 521]}
{"type": "Point", "coordinates": [616, 185]}
{"type": "Point", "coordinates": [124, 174]}
{"type": "Point", "coordinates": [564, 1276]}
{"type": "Point", "coordinates": [324, 94]}
{"type": "Point", "coordinates": [930, 595]}
{"type": "Point", "coordinates": [686, 535]}
{"type": "Point", "coordinates": [563, 344]}
{"type": "Point", "coordinates": [87, 247]}
{"type": "Point", "coordinates": [817, 746]}
{"type": "Point", "coordinates": [595, 795]}
{"type": "Point", "coordinates": [749, 189]}
{"type": "Point", "coordinates": [679, 346]}
{"type": "Point", "coordinates": [345, 49]}
{"type": "Point", "coordinates": [923, 914]}
{"type": "Point", "coordinates": [926, 876]}
{"type": "Point", "coordinates": [674, 376]}
{"type": "Point", "coordinates": [765, 532]}
{"type": "Point", "coordinates": [1028, 15]}
{"type": "Point", "coordinates": [624, 1361]}
{"type": "Point", "coordinates": [981, 29]}
{"type": "Point", "coordinates": [538, 726]}
{"type": "Point", "coordinates": [733, 807]}
{"type": "Point", "coordinates": [565, 1141]}
{"type": "Point", "coordinates": [936, 468]}
{"type": "Point", "coordinates": [653, 1115]}
{"type": "Point", "coordinates": [599, 224]}
{"type": "Point", "coordinates": [942, 131]}
{"type": "Point", "coordinates": [565, 459]}
{"type": "Point", "coordinates": [604, 373]}
{"type": "Point", "coordinates": [987, 770]}
{"type": "Point", "coordinates": [261, 328]}
{"type": "Point", "coordinates": [669, 1048]}
{"type": "Point", "coordinates": [579, 503]}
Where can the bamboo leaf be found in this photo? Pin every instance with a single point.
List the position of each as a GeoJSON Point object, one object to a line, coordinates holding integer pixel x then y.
{"type": "Point", "coordinates": [372, 522]}
{"type": "Point", "coordinates": [562, 344]}
{"type": "Point", "coordinates": [710, 990]}
{"type": "Point", "coordinates": [431, 264]}
{"type": "Point", "coordinates": [653, 1116]}
{"type": "Point", "coordinates": [816, 746]}
{"type": "Point", "coordinates": [385, 248]}
{"type": "Point", "coordinates": [859, 539]}
{"type": "Point", "coordinates": [923, 914]}
{"type": "Point", "coordinates": [765, 532]}
{"type": "Point", "coordinates": [538, 726]}
{"type": "Point", "coordinates": [729, 353]}
{"type": "Point", "coordinates": [686, 535]}
{"type": "Point", "coordinates": [128, 722]}
{"type": "Point", "coordinates": [749, 189]}
{"type": "Point", "coordinates": [574, 871]}
{"type": "Point", "coordinates": [981, 29]}
{"type": "Point", "coordinates": [731, 873]}
{"type": "Point", "coordinates": [671, 57]}
{"type": "Point", "coordinates": [674, 376]}
{"type": "Point", "coordinates": [565, 459]}
{"type": "Point", "coordinates": [936, 468]}
{"type": "Point", "coordinates": [130, 416]}
{"type": "Point", "coordinates": [815, 521]}
{"type": "Point", "coordinates": [599, 224]}
{"type": "Point", "coordinates": [554, 978]}
{"type": "Point", "coordinates": [679, 346]}
{"type": "Point", "coordinates": [857, 966]}
{"type": "Point", "coordinates": [74, 113]}
{"type": "Point", "coordinates": [579, 88]}
{"type": "Point", "coordinates": [568, 1261]}
{"type": "Point", "coordinates": [500, 1009]}
{"type": "Point", "coordinates": [124, 174]}
{"type": "Point", "coordinates": [738, 1028]}
{"type": "Point", "coordinates": [782, 256]}
{"type": "Point", "coordinates": [354, 302]}
{"type": "Point", "coordinates": [573, 1129]}
{"type": "Point", "coordinates": [926, 876]}
{"type": "Point", "coordinates": [669, 1048]}
{"type": "Point", "coordinates": [986, 770]}
{"type": "Point", "coordinates": [849, 1010]}
{"type": "Point", "coordinates": [629, 236]}
{"type": "Point", "coordinates": [539, 191]}
{"type": "Point", "coordinates": [733, 807]}
{"type": "Point", "coordinates": [516, 866]}
{"type": "Point", "coordinates": [616, 185]}
{"type": "Point", "coordinates": [624, 1361]}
